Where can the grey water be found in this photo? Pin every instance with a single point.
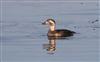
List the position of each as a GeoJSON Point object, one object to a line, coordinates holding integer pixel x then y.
{"type": "Point", "coordinates": [24, 38]}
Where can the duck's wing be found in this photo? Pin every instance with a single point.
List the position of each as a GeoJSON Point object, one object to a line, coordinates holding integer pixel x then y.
{"type": "Point", "coordinates": [65, 30]}
{"type": "Point", "coordinates": [65, 33]}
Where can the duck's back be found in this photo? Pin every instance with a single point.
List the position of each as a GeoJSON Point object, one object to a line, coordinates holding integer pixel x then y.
{"type": "Point", "coordinates": [61, 33]}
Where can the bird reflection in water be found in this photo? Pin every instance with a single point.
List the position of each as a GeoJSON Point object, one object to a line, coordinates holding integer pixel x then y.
{"type": "Point", "coordinates": [51, 46]}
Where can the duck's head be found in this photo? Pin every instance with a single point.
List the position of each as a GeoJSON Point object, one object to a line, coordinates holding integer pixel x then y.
{"type": "Point", "coordinates": [51, 23]}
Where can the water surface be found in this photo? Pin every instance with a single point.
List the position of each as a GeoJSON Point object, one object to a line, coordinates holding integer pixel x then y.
{"type": "Point", "coordinates": [24, 38]}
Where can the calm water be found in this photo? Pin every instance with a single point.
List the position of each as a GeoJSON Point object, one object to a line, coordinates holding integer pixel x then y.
{"type": "Point", "coordinates": [24, 38]}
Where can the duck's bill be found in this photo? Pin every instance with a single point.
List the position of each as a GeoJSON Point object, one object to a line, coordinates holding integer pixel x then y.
{"type": "Point", "coordinates": [43, 23]}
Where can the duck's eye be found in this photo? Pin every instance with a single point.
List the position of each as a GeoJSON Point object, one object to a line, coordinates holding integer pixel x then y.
{"type": "Point", "coordinates": [51, 23]}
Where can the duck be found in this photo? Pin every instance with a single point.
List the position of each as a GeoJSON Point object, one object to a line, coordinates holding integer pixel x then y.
{"type": "Point", "coordinates": [53, 32]}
